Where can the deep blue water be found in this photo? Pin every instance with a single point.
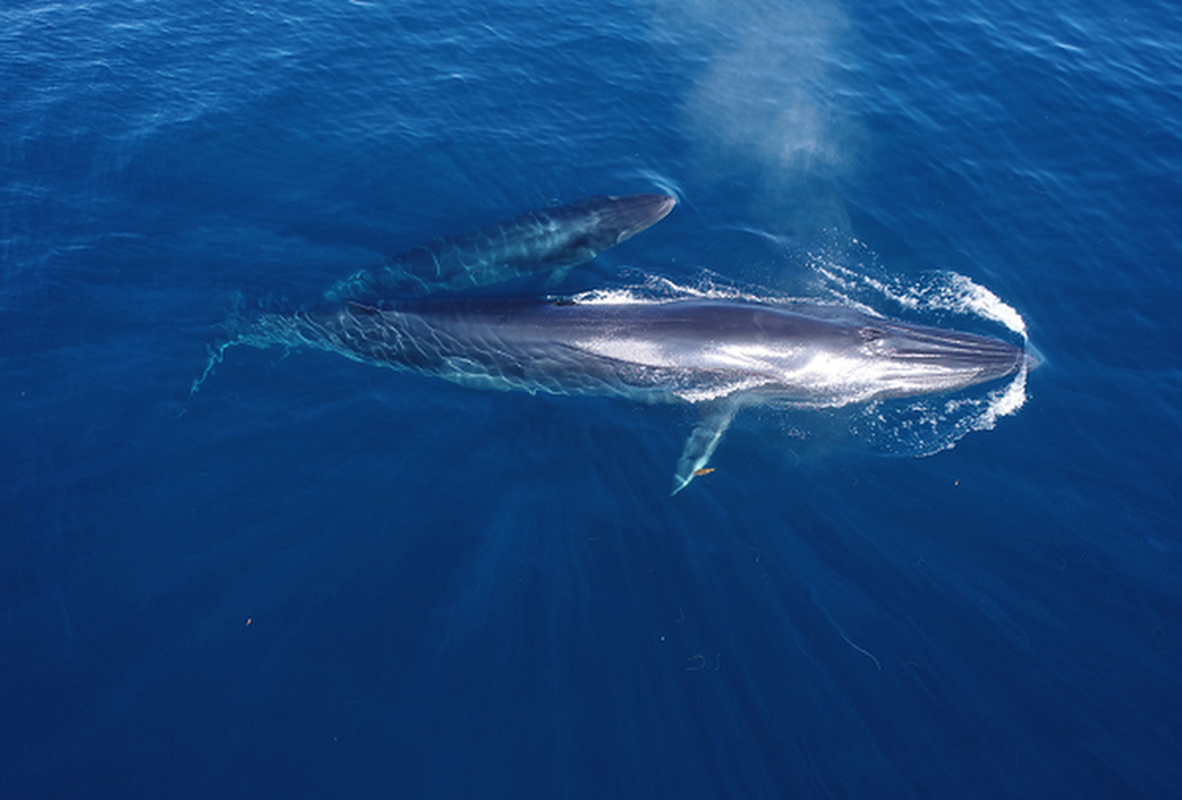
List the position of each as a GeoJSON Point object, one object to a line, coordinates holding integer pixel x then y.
{"type": "Point", "coordinates": [318, 578]}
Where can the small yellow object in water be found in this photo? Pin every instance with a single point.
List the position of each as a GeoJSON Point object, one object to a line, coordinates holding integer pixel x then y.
{"type": "Point", "coordinates": [703, 471]}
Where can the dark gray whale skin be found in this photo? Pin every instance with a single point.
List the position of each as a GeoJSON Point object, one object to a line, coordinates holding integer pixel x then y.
{"type": "Point", "coordinates": [549, 239]}
{"type": "Point", "coordinates": [717, 354]}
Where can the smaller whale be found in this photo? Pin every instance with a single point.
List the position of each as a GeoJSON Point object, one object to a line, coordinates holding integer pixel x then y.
{"type": "Point", "coordinates": [554, 239]}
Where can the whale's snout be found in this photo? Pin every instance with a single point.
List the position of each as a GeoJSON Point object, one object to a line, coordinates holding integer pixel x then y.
{"type": "Point", "coordinates": [963, 358]}
{"type": "Point", "coordinates": [628, 216]}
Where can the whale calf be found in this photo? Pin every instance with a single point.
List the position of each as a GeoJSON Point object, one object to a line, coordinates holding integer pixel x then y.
{"type": "Point", "coordinates": [718, 355]}
{"type": "Point", "coordinates": [555, 239]}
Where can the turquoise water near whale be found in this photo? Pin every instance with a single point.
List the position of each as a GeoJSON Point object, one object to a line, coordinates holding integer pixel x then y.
{"type": "Point", "coordinates": [314, 577]}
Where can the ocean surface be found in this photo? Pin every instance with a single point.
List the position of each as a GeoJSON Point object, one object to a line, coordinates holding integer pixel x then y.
{"type": "Point", "coordinates": [312, 577]}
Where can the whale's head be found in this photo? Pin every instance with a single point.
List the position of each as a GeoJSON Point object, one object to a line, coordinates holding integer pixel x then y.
{"type": "Point", "coordinates": [617, 219]}
{"type": "Point", "coordinates": [914, 359]}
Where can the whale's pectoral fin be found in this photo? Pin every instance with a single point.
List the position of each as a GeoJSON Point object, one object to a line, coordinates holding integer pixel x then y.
{"type": "Point", "coordinates": [558, 275]}
{"type": "Point", "coordinates": [716, 418]}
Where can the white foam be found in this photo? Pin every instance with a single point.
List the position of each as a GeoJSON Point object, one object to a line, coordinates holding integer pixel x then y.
{"type": "Point", "coordinates": [945, 291]}
{"type": "Point", "coordinates": [1005, 401]}
{"type": "Point", "coordinates": [975, 298]}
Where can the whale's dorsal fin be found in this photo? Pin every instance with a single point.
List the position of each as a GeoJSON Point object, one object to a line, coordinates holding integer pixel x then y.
{"type": "Point", "coordinates": [716, 418]}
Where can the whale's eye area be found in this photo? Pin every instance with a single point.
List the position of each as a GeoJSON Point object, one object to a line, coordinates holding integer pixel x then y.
{"type": "Point", "coordinates": [871, 334]}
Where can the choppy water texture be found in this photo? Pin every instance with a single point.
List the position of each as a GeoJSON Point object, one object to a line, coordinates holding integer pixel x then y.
{"type": "Point", "coordinates": [316, 578]}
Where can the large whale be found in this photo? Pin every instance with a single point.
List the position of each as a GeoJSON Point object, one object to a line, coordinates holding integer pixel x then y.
{"type": "Point", "coordinates": [718, 355]}
{"type": "Point", "coordinates": [549, 239]}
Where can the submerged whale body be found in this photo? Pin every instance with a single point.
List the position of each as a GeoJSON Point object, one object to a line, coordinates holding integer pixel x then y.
{"type": "Point", "coordinates": [719, 355]}
{"type": "Point", "coordinates": [554, 239]}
